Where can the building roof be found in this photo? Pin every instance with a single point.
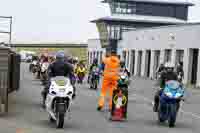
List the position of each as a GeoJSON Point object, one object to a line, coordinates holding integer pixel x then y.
{"type": "Point", "coordinates": [176, 2]}
{"type": "Point", "coordinates": [141, 18]}
{"type": "Point", "coordinates": [166, 26]}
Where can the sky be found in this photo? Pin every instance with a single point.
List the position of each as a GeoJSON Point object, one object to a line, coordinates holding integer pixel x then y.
{"type": "Point", "coordinates": [61, 21]}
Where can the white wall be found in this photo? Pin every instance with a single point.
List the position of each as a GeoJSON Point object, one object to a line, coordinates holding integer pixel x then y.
{"type": "Point", "coordinates": [186, 36]}
{"type": "Point", "coordinates": [94, 44]}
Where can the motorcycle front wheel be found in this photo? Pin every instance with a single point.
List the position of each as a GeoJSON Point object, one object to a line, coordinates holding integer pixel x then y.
{"type": "Point", "coordinates": [51, 119]}
{"type": "Point", "coordinates": [172, 115]}
{"type": "Point", "coordinates": [160, 114]}
{"type": "Point", "coordinates": [95, 84]}
{"type": "Point", "coordinates": [60, 120]}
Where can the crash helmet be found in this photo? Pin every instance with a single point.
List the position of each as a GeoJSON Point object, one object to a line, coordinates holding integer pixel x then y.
{"type": "Point", "coordinates": [60, 55]}
{"type": "Point", "coordinates": [75, 60]}
{"type": "Point", "coordinates": [169, 66]}
{"type": "Point", "coordinates": [113, 52]}
{"type": "Point", "coordinates": [70, 60]}
{"type": "Point", "coordinates": [122, 64]}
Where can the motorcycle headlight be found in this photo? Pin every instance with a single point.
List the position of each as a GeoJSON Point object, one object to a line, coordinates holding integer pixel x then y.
{"type": "Point", "coordinates": [61, 89]}
{"type": "Point", "coordinates": [169, 94]}
{"type": "Point", "coordinates": [123, 77]}
{"type": "Point", "coordinates": [178, 95]}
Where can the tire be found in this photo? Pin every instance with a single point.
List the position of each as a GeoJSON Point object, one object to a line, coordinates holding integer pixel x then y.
{"type": "Point", "coordinates": [30, 68]}
{"type": "Point", "coordinates": [172, 115]}
{"type": "Point", "coordinates": [33, 70]}
{"type": "Point", "coordinates": [51, 119]}
{"type": "Point", "coordinates": [160, 119]}
{"type": "Point", "coordinates": [95, 84]}
{"type": "Point", "coordinates": [44, 96]}
{"type": "Point", "coordinates": [60, 120]}
{"type": "Point", "coordinates": [91, 84]}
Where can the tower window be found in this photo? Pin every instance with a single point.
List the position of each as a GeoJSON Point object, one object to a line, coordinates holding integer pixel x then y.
{"type": "Point", "coordinates": [123, 8]}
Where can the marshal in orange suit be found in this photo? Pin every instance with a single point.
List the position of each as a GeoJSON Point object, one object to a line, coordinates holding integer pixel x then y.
{"type": "Point", "coordinates": [110, 77]}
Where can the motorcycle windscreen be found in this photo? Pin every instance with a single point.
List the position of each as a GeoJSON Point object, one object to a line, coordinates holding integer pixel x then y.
{"type": "Point", "coordinates": [173, 88]}
{"type": "Point", "coordinates": [173, 84]}
{"type": "Point", "coordinates": [61, 81]}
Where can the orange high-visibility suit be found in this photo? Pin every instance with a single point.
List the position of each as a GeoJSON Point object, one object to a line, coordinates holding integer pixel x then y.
{"type": "Point", "coordinates": [111, 72]}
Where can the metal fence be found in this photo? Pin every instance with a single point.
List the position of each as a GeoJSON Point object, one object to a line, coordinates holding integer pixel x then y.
{"type": "Point", "coordinates": [9, 75]}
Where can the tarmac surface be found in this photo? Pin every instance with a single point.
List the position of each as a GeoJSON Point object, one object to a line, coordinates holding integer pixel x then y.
{"type": "Point", "coordinates": [26, 114]}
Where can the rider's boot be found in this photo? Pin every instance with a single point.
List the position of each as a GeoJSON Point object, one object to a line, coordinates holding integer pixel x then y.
{"type": "Point", "coordinates": [156, 103]}
{"type": "Point", "coordinates": [74, 94]}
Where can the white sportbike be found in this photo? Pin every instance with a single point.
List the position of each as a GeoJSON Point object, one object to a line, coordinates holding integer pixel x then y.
{"type": "Point", "coordinates": [59, 99]}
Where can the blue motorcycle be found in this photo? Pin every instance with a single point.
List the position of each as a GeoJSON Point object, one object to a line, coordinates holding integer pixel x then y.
{"type": "Point", "coordinates": [169, 103]}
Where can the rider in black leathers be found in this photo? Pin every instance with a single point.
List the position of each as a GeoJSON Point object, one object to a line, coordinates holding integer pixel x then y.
{"type": "Point", "coordinates": [59, 68]}
{"type": "Point", "coordinates": [123, 67]}
{"type": "Point", "coordinates": [166, 75]}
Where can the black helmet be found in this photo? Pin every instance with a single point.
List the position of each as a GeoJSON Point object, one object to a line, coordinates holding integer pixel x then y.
{"type": "Point", "coordinates": [113, 52]}
{"type": "Point", "coordinates": [122, 63]}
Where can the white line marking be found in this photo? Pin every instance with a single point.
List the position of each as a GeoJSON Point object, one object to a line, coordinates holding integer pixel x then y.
{"type": "Point", "coordinates": [185, 112]}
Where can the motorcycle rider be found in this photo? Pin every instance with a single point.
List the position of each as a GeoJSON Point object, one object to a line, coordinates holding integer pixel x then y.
{"type": "Point", "coordinates": [59, 68]}
{"type": "Point", "coordinates": [124, 69]}
{"type": "Point", "coordinates": [166, 75]}
{"type": "Point", "coordinates": [34, 58]}
{"type": "Point", "coordinates": [44, 72]}
{"type": "Point", "coordinates": [94, 64]}
{"type": "Point", "coordinates": [180, 71]}
{"type": "Point", "coordinates": [80, 72]}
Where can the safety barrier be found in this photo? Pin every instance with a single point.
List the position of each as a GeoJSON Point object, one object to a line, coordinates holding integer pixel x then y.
{"type": "Point", "coordinates": [9, 75]}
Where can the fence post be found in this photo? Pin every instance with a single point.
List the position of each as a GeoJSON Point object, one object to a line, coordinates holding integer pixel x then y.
{"type": "Point", "coordinates": [3, 91]}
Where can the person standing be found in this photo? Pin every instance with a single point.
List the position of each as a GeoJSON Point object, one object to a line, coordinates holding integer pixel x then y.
{"type": "Point", "coordinates": [110, 78]}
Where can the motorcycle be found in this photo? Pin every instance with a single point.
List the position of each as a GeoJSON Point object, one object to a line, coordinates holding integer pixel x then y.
{"type": "Point", "coordinates": [44, 74]}
{"type": "Point", "coordinates": [38, 75]}
{"type": "Point", "coordinates": [95, 75]}
{"type": "Point", "coordinates": [59, 99]}
{"type": "Point", "coordinates": [35, 66]}
{"type": "Point", "coordinates": [30, 67]}
{"type": "Point", "coordinates": [170, 102]}
{"type": "Point", "coordinates": [120, 99]}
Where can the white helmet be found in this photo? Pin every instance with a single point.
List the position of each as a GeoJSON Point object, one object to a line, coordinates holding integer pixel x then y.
{"type": "Point", "coordinates": [76, 58]}
{"type": "Point", "coordinates": [169, 65]}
